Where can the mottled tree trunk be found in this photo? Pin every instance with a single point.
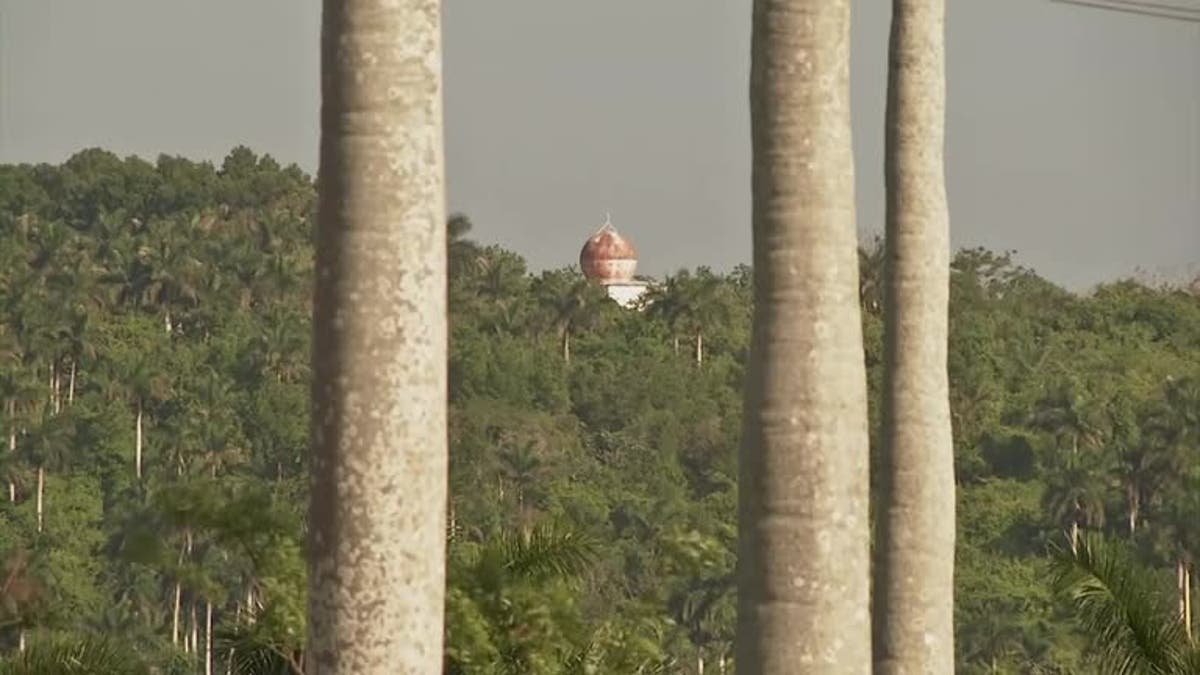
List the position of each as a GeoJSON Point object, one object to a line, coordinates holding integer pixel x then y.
{"type": "Point", "coordinates": [378, 509]}
{"type": "Point", "coordinates": [566, 345]}
{"type": "Point", "coordinates": [699, 348]}
{"type": "Point", "coordinates": [71, 384]}
{"type": "Point", "coordinates": [803, 572]}
{"type": "Point", "coordinates": [914, 568]}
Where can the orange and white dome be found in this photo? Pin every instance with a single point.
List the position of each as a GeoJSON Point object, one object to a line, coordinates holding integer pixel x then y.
{"type": "Point", "coordinates": [607, 257]}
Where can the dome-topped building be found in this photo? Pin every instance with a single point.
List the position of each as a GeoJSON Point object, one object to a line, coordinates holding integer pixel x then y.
{"type": "Point", "coordinates": [609, 259]}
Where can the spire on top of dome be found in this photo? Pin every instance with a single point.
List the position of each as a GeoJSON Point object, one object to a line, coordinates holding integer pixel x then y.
{"type": "Point", "coordinates": [607, 226]}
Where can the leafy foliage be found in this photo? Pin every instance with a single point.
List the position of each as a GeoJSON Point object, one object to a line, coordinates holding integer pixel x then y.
{"type": "Point", "coordinates": [154, 380]}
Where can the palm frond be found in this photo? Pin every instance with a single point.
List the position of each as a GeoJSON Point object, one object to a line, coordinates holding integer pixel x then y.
{"type": "Point", "coordinates": [1118, 605]}
{"type": "Point", "coordinates": [251, 653]}
{"type": "Point", "coordinates": [74, 655]}
{"type": "Point", "coordinates": [546, 553]}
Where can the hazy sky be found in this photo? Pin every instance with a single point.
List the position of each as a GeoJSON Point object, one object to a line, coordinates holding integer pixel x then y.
{"type": "Point", "coordinates": [1073, 133]}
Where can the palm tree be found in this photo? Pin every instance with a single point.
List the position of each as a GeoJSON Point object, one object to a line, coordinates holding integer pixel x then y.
{"type": "Point", "coordinates": [483, 576]}
{"type": "Point", "coordinates": [690, 304]}
{"type": "Point", "coordinates": [463, 253]}
{"type": "Point", "coordinates": [1075, 493]}
{"type": "Point", "coordinates": [50, 445]}
{"type": "Point", "coordinates": [143, 384]}
{"type": "Point", "coordinates": [17, 391]}
{"type": "Point", "coordinates": [172, 273]}
{"type": "Point", "coordinates": [379, 355]}
{"type": "Point", "coordinates": [667, 302]}
{"type": "Point", "coordinates": [1119, 605]}
{"type": "Point", "coordinates": [1066, 415]}
{"type": "Point", "coordinates": [803, 564]}
{"type": "Point", "coordinates": [914, 566]}
{"type": "Point", "coordinates": [570, 303]}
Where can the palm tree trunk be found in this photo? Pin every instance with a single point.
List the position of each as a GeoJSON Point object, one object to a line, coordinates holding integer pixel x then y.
{"type": "Point", "coordinates": [208, 638]}
{"type": "Point", "coordinates": [1187, 600]}
{"type": "Point", "coordinates": [71, 384]}
{"type": "Point", "coordinates": [194, 640]}
{"type": "Point", "coordinates": [699, 349]}
{"type": "Point", "coordinates": [914, 571]}
{"type": "Point", "coordinates": [1074, 536]}
{"type": "Point", "coordinates": [175, 613]}
{"type": "Point", "coordinates": [1131, 495]}
{"type": "Point", "coordinates": [41, 497]}
{"type": "Point", "coordinates": [803, 532]}
{"type": "Point", "coordinates": [184, 549]}
{"type": "Point", "coordinates": [54, 405]}
{"type": "Point", "coordinates": [237, 620]}
{"type": "Point", "coordinates": [137, 444]}
{"type": "Point", "coordinates": [1180, 585]}
{"type": "Point", "coordinates": [379, 441]}
{"type": "Point", "coordinates": [12, 444]}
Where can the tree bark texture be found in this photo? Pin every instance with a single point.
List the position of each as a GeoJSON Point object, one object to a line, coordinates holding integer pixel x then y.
{"type": "Point", "coordinates": [378, 505]}
{"type": "Point", "coordinates": [803, 525]}
{"type": "Point", "coordinates": [914, 571]}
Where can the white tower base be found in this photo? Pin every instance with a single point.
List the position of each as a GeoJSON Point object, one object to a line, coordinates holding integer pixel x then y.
{"type": "Point", "coordinates": [626, 294]}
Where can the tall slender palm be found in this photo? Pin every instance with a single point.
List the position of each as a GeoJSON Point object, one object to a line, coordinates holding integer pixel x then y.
{"type": "Point", "coordinates": [691, 304]}
{"type": "Point", "coordinates": [914, 569]}
{"type": "Point", "coordinates": [803, 534]}
{"type": "Point", "coordinates": [1075, 493]}
{"type": "Point", "coordinates": [378, 501]}
{"type": "Point", "coordinates": [570, 303]}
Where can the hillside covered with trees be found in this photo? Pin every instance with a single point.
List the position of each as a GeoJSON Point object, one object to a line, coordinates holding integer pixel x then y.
{"type": "Point", "coordinates": [154, 383]}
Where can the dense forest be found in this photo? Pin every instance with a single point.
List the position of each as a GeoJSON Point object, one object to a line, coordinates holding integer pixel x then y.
{"type": "Point", "coordinates": [154, 384]}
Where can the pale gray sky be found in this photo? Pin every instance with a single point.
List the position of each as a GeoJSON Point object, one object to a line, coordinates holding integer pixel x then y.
{"type": "Point", "coordinates": [1073, 133]}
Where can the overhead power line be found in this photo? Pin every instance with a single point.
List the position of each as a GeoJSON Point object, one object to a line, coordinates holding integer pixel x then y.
{"type": "Point", "coordinates": [1186, 10]}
